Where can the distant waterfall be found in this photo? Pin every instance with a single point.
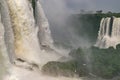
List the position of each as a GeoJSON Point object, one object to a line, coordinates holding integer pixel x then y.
{"type": "Point", "coordinates": [44, 34]}
{"type": "Point", "coordinates": [109, 32]}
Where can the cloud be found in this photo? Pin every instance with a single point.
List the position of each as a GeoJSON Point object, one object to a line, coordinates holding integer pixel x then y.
{"type": "Point", "coordinates": [81, 4]}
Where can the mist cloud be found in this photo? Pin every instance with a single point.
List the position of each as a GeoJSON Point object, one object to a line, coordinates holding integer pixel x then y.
{"type": "Point", "coordinates": [58, 12]}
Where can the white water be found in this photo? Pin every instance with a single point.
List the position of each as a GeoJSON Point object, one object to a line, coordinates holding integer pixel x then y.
{"type": "Point", "coordinates": [44, 34]}
{"type": "Point", "coordinates": [22, 41]}
{"type": "Point", "coordinates": [23, 23]}
{"type": "Point", "coordinates": [105, 39]}
{"type": "Point", "coordinates": [4, 60]}
{"type": "Point", "coordinates": [8, 32]}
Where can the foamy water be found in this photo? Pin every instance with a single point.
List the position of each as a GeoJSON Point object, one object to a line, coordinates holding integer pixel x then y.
{"type": "Point", "coordinates": [108, 35]}
{"type": "Point", "coordinates": [24, 74]}
{"type": "Point", "coordinates": [18, 73]}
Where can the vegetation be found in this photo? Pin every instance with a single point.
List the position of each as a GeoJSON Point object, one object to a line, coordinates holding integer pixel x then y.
{"type": "Point", "coordinates": [60, 68]}
{"type": "Point", "coordinates": [103, 63]}
{"type": "Point", "coordinates": [106, 62]}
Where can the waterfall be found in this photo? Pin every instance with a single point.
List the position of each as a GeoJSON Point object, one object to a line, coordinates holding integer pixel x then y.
{"type": "Point", "coordinates": [4, 60]}
{"type": "Point", "coordinates": [9, 37]}
{"type": "Point", "coordinates": [26, 42]}
{"type": "Point", "coordinates": [25, 39]}
{"type": "Point", "coordinates": [109, 32]}
{"type": "Point", "coordinates": [33, 42]}
{"type": "Point", "coordinates": [44, 34]}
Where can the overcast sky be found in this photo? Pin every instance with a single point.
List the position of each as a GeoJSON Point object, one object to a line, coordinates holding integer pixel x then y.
{"type": "Point", "coordinates": [77, 5]}
{"type": "Point", "coordinates": [105, 5]}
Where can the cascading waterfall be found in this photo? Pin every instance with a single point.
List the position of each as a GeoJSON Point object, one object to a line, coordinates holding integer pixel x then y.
{"type": "Point", "coordinates": [109, 33]}
{"type": "Point", "coordinates": [23, 24]}
{"type": "Point", "coordinates": [8, 32]}
{"type": "Point", "coordinates": [31, 32]}
{"type": "Point", "coordinates": [24, 32]}
{"type": "Point", "coordinates": [44, 34]}
{"type": "Point", "coordinates": [4, 60]}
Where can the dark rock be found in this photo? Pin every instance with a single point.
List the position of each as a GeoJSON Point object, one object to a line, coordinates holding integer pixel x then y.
{"type": "Point", "coordinates": [21, 60]}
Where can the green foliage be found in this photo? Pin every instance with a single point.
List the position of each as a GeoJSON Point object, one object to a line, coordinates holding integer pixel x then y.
{"type": "Point", "coordinates": [79, 56]}
{"type": "Point", "coordinates": [106, 62]}
{"type": "Point", "coordinates": [60, 68]}
{"type": "Point", "coordinates": [103, 62]}
{"type": "Point", "coordinates": [70, 68]}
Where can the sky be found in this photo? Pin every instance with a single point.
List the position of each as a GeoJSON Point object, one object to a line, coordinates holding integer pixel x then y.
{"type": "Point", "coordinates": [77, 5]}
